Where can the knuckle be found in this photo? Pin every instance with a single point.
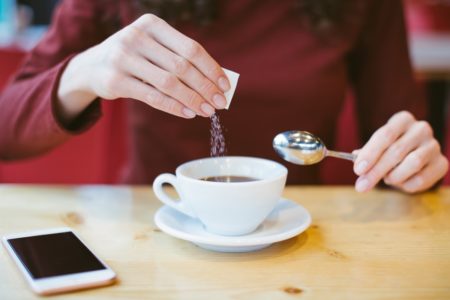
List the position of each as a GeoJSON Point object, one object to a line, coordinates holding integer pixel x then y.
{"type": "Point", "coordinates": [405, 115]}
{"type": "Point", "coordinates": [207, 87]}
{"type": "Point", "coordinates": [167, 82]}
{"type": "Point", "coordinates": [214, 71]}
{"type": "Point", "coordinates": [420, 182]}
{"type": "Point", "coordinates": [435, 146]}
{"type": "Point", "coordinates": [192, 100]}
{"type": "Point", "coordinates": [375, 174]}
{"type": "Point", "coordinates": [181, 66]}
{"type": "Point", "coordinates": [445, 164]}
{"type": "Point", "coordinates": [388, 134]}
{"type": "Point", "coordinates": [130, 36]}
{"type": "Point", "coordinates": [398, 151]}
{"type": "Point", "coordinates": [150, 19]}
{"type": "Point", "coordinates": [425, 128]}
{"type": "Point", "coordinates": [156, 99]}
{"type": "Point", "coordinates": [171, 106]}
{"type": "Point", "coordinates": [117, 56]}
{"type": "Point", "coordinates": [192, 49]}
{"type": "Point", "coordinates": [417, 161]}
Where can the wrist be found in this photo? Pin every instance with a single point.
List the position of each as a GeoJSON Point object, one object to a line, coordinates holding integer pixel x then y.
{"type": "Point", "coordinates": [74, 91]}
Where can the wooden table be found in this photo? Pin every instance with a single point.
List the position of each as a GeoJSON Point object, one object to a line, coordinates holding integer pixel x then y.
{"type": "Point", "coordinates": [379, 245]}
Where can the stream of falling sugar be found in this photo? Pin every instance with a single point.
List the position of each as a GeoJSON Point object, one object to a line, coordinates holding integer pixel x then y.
{"type": "Point", "coordinates": [218, 147]}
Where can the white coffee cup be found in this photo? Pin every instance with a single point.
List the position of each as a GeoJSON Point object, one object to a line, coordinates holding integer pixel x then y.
{"type": "Point", "coordinates": [225, 208]}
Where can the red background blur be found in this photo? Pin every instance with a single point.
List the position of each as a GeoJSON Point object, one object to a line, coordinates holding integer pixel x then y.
{"type": "Point", "coordinates": [98, 155]}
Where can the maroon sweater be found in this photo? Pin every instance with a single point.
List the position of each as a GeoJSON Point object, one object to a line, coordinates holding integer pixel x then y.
{"type": "Point", "coordinates": [291, 78]}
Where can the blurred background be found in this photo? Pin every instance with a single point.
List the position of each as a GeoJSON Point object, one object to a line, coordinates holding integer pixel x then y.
{"type": "Point", "coordinates": [83, 159]}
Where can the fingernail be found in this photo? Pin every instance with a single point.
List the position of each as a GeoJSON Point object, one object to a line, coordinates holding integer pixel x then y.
{"type": "Point", "coordinates": [219, 101]}
{"type": "Point", "coordinates": [189, 113]}
{"type": "Point", "coordinates": [362, 184]}
{"type": "Point", "coordinates": [207, 109]}
{"type": "Point", "coordinates": [361, 167]}
{"type": "Point", "coordinates": [224, 84]}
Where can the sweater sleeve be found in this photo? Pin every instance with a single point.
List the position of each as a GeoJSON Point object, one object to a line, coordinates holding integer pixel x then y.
{"type": "Point", "coordinates": [380, 69]}
{"type": "Point", "coordinates": [28, 124]}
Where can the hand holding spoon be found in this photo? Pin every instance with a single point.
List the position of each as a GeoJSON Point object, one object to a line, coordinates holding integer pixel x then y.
{"type": "Point", "coordinates": [304, 148]}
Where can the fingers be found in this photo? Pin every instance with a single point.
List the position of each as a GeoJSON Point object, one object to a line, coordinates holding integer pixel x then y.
{"type": "Point", "coordinates": [404, 153]}
{"type": "Point", "coordinates": [395, 154]}
{"type": "Point", "coordinates": [185, 47]}
{"type": "Point", "coordinates": [170, 85]}
{"type": "Point", "coordinates": [381, 140]}
{"type": "Point", "coordinates": [427, 177]}
{"type": "Point", "coordinates": [413, 163]}
{"type": "Point", "coordinates": [184, 70]}
{"type": "Point", "coordinates": [136, 89]}
{"type": "Point", "coordinates": [180, 76]}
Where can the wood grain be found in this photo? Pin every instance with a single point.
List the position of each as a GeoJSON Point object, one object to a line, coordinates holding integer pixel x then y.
{"type": "Point", "coordinates": [379, 245]}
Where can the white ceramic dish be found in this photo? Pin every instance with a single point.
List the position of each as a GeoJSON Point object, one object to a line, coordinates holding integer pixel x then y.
{"type": "Point", "coordinates": [287, 220]}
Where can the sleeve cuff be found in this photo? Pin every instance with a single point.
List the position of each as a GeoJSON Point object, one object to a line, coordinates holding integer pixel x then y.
{"type": "Point", "coordinates": [85, 120]}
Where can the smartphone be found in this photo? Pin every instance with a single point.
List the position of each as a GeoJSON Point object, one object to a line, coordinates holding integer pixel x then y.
{"type": "Point", "coordinates": [56, 260]}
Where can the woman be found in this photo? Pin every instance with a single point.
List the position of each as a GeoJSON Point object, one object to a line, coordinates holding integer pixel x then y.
{"type": "Point", "coordinates": [296, 64]}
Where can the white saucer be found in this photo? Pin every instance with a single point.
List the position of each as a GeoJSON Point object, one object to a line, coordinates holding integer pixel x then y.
{"type": "Point", "coordinates": [287, 220]}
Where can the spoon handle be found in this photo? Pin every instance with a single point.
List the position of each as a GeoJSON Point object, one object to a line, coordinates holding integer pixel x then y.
{"type": "Point", "coordinates": [343, 155]}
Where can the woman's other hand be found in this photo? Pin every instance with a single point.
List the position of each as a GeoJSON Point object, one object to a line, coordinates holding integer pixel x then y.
{"type": "Point", "coordinates": [148, 61]}
{"type": "Point", "coordinates": [403, 153]}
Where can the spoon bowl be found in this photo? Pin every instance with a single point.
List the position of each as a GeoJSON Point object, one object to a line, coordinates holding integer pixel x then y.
{"type": "Point", "coordinates": [304, 148]}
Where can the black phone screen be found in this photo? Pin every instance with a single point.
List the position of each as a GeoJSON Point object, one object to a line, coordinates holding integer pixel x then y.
{"type": "Point", "coordinates": [54, 254]}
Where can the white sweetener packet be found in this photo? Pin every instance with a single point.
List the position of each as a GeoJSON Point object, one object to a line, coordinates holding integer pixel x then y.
{"type": "Point", "coordinates": [233, 79]}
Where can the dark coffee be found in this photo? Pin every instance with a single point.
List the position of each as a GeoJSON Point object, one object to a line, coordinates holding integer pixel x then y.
{"type": "Point", "coordinates": [228, 178]}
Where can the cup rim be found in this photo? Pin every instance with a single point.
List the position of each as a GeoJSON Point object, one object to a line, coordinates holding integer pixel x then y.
{"type": "Point", "coordinates": [283, 172]}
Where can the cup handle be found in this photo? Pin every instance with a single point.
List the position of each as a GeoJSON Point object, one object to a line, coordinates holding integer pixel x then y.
{"type": "Point", "coordinates": [166, 199]}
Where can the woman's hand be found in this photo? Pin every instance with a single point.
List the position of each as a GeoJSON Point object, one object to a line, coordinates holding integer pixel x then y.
{"type": "Point", "coordinates": [403, 153]}
{"type": "Point", "coordinates": [148, 61]}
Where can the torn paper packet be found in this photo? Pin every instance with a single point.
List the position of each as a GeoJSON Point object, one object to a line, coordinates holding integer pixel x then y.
{"type": "Point", "coordinates": [233, 79]}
